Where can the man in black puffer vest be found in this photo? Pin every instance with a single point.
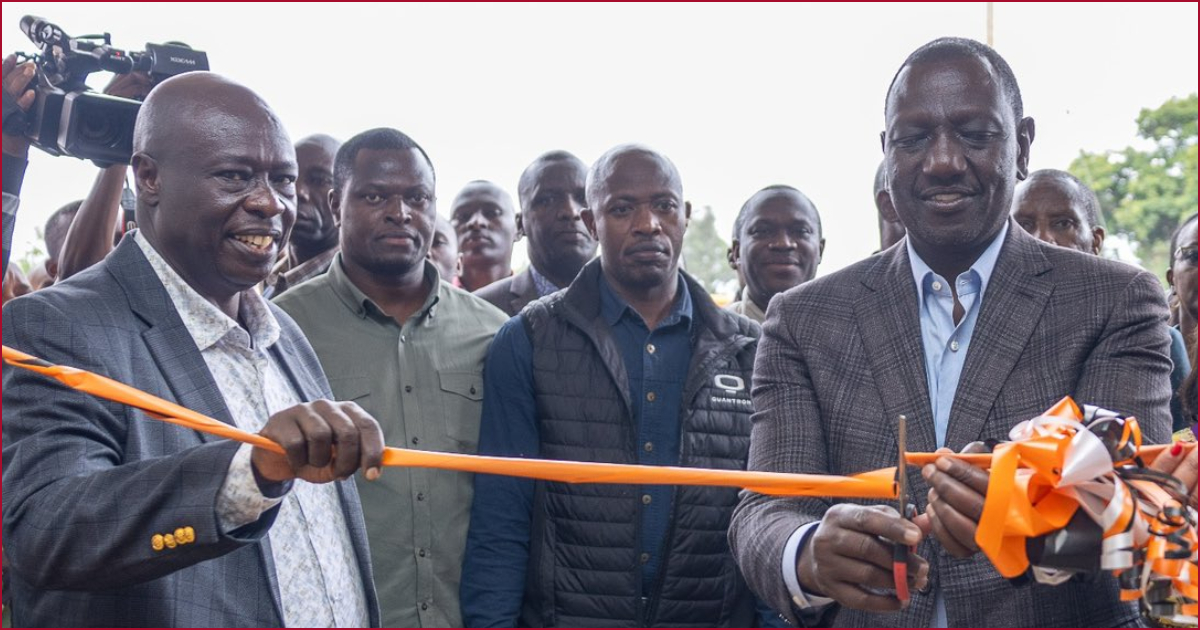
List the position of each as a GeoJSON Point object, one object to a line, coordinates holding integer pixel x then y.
{"type": "Point", "coordinates": [634, 364]}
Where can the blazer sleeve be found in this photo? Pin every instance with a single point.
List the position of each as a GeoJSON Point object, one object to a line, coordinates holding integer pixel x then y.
{"type": "Point", "coordinates": [787, 436]}
{"type": "Point", "coordinates": [82, 501]}
{"type": "Point", "coordinates": [1129, 370]}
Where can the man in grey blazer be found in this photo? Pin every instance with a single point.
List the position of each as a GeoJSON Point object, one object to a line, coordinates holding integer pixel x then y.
{"type": "Point", "coordinates": [112, 518]}
{"type": "Point", "coordinates": [551, 192]}
{"type": "Point", "coordinates": [967, 327]}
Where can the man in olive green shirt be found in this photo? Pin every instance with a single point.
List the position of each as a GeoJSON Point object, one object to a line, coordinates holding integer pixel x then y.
{"type": "Point", "coordinates": [409, 349]}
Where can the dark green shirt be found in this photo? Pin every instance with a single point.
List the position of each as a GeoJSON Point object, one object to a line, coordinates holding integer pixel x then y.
{"type": "Point", "coordinates": [423, 382]}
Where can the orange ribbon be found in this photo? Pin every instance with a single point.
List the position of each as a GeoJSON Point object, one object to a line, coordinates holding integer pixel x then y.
{"type": "Point", "coordinates": [1027, 492]}
{"type": "Point", "coordinates": [876, 484]}
{"type": "Point", "coordinates": [1053, 467]}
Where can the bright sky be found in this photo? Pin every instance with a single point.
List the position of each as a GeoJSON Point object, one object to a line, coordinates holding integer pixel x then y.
{"type": "Point", "coordinates": [739, 96]}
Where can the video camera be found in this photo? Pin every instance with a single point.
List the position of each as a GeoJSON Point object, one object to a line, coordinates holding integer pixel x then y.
{"type": "Point", "coordinates": [67, 118]}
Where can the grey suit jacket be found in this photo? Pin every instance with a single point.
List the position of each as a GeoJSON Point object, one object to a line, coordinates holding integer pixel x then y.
{"type": "Point", "coordinates": [88, 483]}
{"type": "Point", "coordinates": [511, 294]}
{"type": "Point", "coordinates": [841, 359]}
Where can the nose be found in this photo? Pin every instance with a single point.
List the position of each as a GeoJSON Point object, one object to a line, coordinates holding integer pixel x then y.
{"type": "Point", "coordinates": [945, 158]}
{"type": "Point", "coordinates": [1043, 233]}
{"type": "Point", "coordinates": [477, 221]}
{"type": "Point", "coordinates": [571, 210]}
{"type": "Point", "coordinates": [784, 241]}
{"type": "Point", "coordinates": [646, 221]}
{"type": "Point", "coordinates": [264, 200]}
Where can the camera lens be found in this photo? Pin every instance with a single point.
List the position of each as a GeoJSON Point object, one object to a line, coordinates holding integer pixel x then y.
{"type": "Point", "coordinates": [101, 128]}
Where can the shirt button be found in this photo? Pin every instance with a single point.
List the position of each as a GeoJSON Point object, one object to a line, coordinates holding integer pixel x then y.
{"type": "Point", "coordinates": [937, 286]}
{"type": "Point", "coordinates": [424, 605]}
{"type": "Point", "coordinates": [408, 389]}
{"type": "Point", "coordinates": [954, 346]}
{"type": "Point", "coordinates": [647, 499]}
{"type": "Point", "coordinates": [648, 447]}
{"type": "Point", "coordinates": [421, 553]}
{"type": "Point", "coordinates": [651, 396]}
{"type": "Point", "coordinates": [416, 440]}
{"type": "Point", "coordinates": [644, 558]}
{"type": "Point", "coordinates": [403, 339]}
{"type": "Point", "coordinates": [650, 348]}
{"type": "Point", "coordinates": [420, 496]}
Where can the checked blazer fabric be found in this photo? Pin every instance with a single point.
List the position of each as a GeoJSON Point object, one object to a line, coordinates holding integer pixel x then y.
{"type": "Point", "coordinates": [841, 359]}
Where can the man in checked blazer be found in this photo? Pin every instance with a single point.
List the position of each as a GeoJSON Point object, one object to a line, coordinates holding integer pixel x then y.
{"type": "Point", "coordinates": [112, 518]}
{"type": "Point", "coordinates": [967, 327]}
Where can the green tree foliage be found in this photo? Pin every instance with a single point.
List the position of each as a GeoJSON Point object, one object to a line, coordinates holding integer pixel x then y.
{"type": "Point", "coordinates": [1146, 191]}
{"type": "Point", "coordinates": [704, 253]}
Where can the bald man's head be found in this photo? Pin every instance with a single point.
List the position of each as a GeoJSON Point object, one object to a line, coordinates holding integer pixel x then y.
{"type": "Point", "coordinates": [174, 105]}
{"type": "Point", "coordinates": [216, 175]}
{"type": "Point", "coordinates": [637, 212]}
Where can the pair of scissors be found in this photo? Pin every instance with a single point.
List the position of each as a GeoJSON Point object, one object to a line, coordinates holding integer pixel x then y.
{"type": "Point", "coordinates": [900, 551]}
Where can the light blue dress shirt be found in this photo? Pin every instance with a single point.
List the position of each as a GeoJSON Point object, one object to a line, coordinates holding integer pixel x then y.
{"type": "Point", "coordinates": [946, 345]}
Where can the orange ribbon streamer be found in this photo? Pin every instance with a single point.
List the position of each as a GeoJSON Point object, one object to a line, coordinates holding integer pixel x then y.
{"type": "Point", "coordinates": [876, 484]}
{"type": "Point", "coordinates": [1024, 497]}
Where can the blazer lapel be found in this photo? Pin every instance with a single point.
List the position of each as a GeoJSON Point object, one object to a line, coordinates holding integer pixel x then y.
{"type": "Point", "coordinates": [890, 327]}
{"type": "Point", "coordinates": [523, 290]}
{"type": "Point", "coordinates": [178, 360]}
{"type": "Point", "coordinates": [1012, 307]}
{"type": "Point", "coordinates": [168, 340]}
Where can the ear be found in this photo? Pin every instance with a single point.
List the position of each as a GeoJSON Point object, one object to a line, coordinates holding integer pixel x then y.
{"type": "Point", "coordinates": [883, 141]}
{"type": "Point", "coordinates": [1171, 278]}
{"type": "Point", "coordinates": [335, 205]}
{"type": "Point", "coordinates": [1097, 240]}
{"type": "Point", "coordinates": [589, 222]}
{"type": "Point", "coordinates": [520, 218]}
{"type": "Point", "coordinates": [145, 179]}
{"type": "Point", "coordinates": [1025, 133]}
{"type": "Point", "coordinates": [52, 269]}
{"type": "Point", "coordinates": [734, 254]}
{"type": "Point", "coordinates": [687, 214]}
{"type": "Point", "coordinates": [883, 201]}
{"type": "Point", "coordinates": [821, 252]}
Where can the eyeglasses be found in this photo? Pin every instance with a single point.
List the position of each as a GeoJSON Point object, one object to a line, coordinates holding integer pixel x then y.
{"type": "Point", "coordinates": [1187, 255]}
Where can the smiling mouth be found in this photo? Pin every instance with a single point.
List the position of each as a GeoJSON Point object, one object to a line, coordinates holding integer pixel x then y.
{"type": "Point", "coordinates": [261, 242]}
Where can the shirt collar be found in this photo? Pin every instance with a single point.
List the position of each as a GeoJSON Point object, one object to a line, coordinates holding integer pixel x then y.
{"type": "Point", "coordinates": [363, 306]}
{"type": "Point", "coordinates": [543, 284]}
{"type": "Point", "coordinates": [982, 267]}
{"type": "Point", "coordinates": [206, 323]}
{"type": "Point", "coordinates": [613, 307]}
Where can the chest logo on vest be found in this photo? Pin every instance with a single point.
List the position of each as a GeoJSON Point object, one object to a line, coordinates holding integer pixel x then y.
{"type": "Point", "coordinates": [730, 383]}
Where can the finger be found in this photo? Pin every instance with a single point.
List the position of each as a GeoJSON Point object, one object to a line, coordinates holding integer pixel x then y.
{"type": "Point", "coordinates": [878, 521]}
{"type": "Point", "coordinates": [949, 538]}
{"type": "Point", "coordinates": [26, 100]}
{"type": "Point", "coordinates": [318, 438]}
{"type": "Point", "coordinates": [284, 430]}
{"type": "Point", "coordinates": [975, 447]}
{"type": "Point", "coordinates": [345, 436]}
{"type": "Point", "coordinates": [959, 484]}
{"type": "Point", "coordinates": [922, 523]}
{"type": "Point", "coordinates": [16, 82]}
{"type": "Point", "coordinates": [851, 571]}
{"type": "Point", "coordinates": [856, 546]}
{"type": "Point", "coordinates": [918, 572]}
{"type": "Point", "coordinates": [851, 596]}
{"type": "Point", "coordinates": [370, 440]}
{"type": "Point", "coordinates": [10, 62]}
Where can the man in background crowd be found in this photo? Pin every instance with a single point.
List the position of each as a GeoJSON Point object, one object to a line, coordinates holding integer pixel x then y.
{"type": "Point", "coordinates": [552, 197]}
{"type": "Point", "coordinates": [484, 219]}
{"type": "Point", "coordinates": [778, 245]}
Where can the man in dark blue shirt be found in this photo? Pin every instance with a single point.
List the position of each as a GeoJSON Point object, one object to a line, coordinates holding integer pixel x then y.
{"type": "Point", "coordinates": [633, 363]}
